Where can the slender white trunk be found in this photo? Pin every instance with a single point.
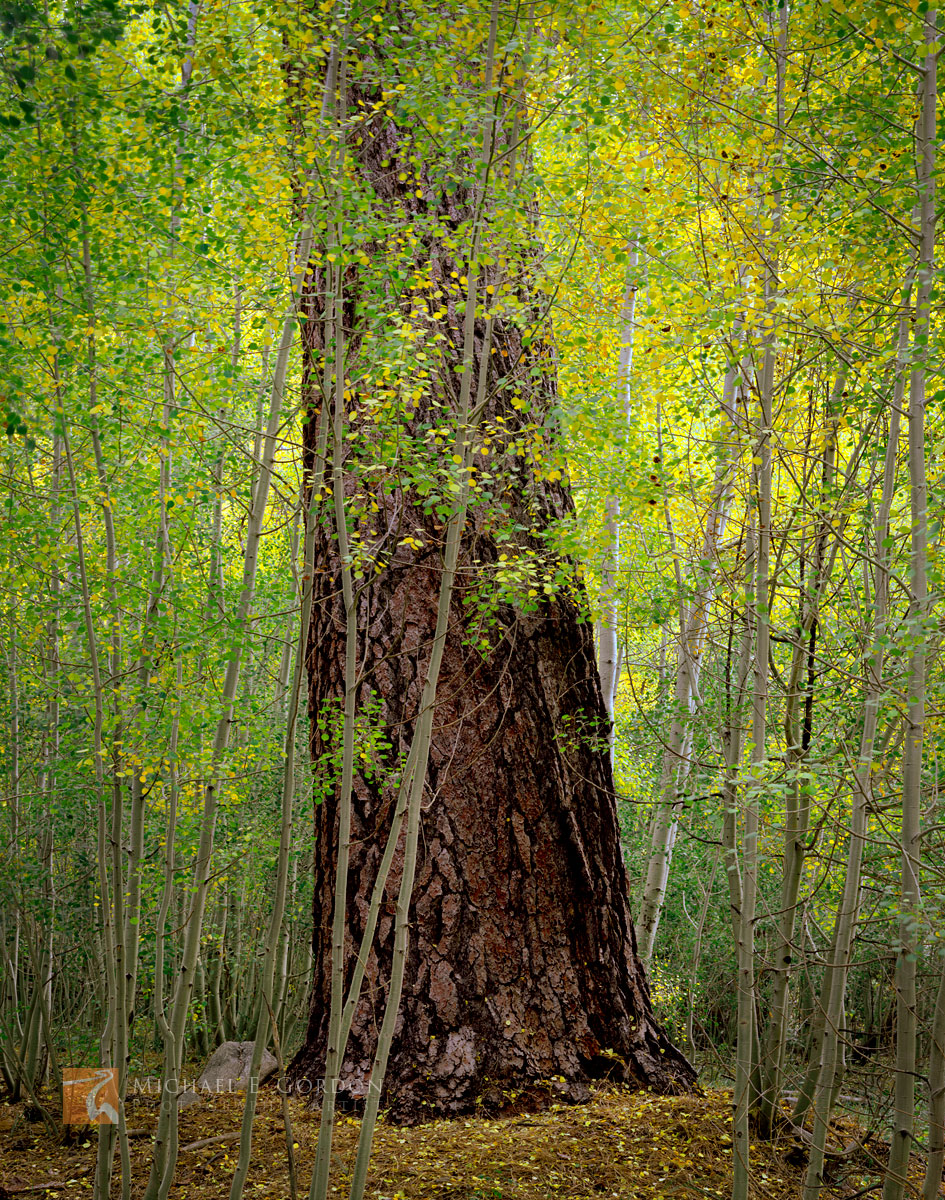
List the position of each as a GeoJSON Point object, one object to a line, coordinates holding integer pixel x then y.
{"type": "Point", "coordinates": [797, 802]}
{"type": "Point", "coordinates": [693, 630]}
{"type": "Point", "coordinates": [12, 800]}
{"type": "Point", "coordinates": [108, 947]}
{"type": "Point", "coordinates": [51, 758]}
{"type": "Point", "coordinates": [607, 625]}
{"type": "Point", "coordinates": [931, 1188]}
{"type": "Point", "coordinates": [835, 975]}
{"type": "Point", "coordinates": [910, 837]}
{"type": "Point", "coordinates": [697, 954]}
{"type": "Point", "coordinates": [265, 1017]}
{"type": "Point", "coordinates": [163, 1163]}
{"type": "Point", "coordinates": [746, 1068]}
{"type": "Point", "coordinates": [110, 824]}
{"type": "Point", "coordinates": [608, 650]}
{"type": "Point", "coordinates": [732, 739]}
{"type": "Point", "coordinates": [742, 872]}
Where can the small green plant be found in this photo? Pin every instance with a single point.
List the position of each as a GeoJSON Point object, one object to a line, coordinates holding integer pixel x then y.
{"type": "Point", "coordinates": [372, 747]}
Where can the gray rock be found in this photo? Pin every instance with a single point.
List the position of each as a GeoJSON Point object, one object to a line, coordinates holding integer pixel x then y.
{"type": "Point", "coordinates": [187, 1098]}
{"type": "Point", "coordinates": [228, 1068]}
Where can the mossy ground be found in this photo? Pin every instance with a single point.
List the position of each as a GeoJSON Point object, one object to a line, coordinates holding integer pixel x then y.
{"type": "Point", "coordinates": [622, 1145]}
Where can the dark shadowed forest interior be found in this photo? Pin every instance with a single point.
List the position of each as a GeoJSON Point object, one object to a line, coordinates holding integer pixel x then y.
{"type": "Point", "coordinates": [471, 681]}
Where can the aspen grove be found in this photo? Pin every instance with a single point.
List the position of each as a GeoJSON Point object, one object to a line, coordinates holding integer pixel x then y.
{"type": "Point", "coordinates": [470, 585]}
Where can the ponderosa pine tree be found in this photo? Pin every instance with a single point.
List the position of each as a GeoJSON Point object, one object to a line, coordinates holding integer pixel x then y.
{"type": "Point", "coordinates": [522, 965]}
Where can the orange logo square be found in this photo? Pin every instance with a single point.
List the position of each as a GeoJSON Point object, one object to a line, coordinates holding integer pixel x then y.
{"type": "Point", "coordinates": [90, 1096]}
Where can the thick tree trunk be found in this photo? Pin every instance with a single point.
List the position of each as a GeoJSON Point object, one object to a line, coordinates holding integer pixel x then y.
{"type": "Point", "coordinates": [523, 960]}
{"type": "Point", "coordinates": [522, 967]}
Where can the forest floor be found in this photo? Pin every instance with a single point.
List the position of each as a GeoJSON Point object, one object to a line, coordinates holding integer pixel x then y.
{"type": "Point", "coordinates": [624, 1145]}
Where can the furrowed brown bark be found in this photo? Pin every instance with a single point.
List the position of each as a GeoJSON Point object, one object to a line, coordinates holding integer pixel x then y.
{"type": "Point", "coordinates": [523, 971]}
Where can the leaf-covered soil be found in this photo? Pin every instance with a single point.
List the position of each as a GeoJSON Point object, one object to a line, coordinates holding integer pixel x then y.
{"type": "Point", "coordinates": [623, 1145]}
